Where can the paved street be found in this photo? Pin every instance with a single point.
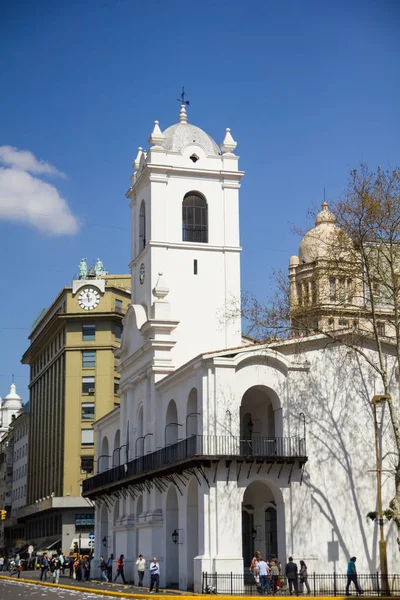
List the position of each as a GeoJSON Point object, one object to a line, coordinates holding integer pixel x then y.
{"type": "Point", "coordinates": [15, 590]}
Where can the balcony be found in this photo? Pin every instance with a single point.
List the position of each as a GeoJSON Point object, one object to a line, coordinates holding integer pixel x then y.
{"type": "Point", "coordinates": [197, 451]}
{"type": "Point", "coordinates": [195, 234]}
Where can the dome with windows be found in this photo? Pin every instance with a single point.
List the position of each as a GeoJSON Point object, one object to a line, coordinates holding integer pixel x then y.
{"type": "Point", "coordinates": [183, 134]}
{"type": "Point", "coordinates": [315, 243]}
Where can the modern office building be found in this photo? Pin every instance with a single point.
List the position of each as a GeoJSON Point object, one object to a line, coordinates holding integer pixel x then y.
{"type": "Point", "coordinates": [73, 381]}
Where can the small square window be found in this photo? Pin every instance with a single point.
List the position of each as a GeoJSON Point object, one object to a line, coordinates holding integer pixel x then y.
{"type": "Point", "coordinates": [380, 327]}
{"type": "Point", "coordinates": [89, 359]}
{"type": "Point", "coordinates": [87, 437]}
{"type": "Point", "coordinates": [88, 411]}
{"type": "Point", "coordinates": [88, 333]}
{"type": "Point", "coordinates": [116, 385]}
{"type": "Point", "coordinates": [88, 385]}
{"type": "Point", "coordinates": [87, 464]}
{"type": "Point", "coordinates": [117, 331]}
{"type": "Point", "coordinates": [118, 306]}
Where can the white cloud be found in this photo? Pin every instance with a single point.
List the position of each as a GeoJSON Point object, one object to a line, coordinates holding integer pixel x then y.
{"type": "Point", "coordinates": [26, 161]}
{"type": "Point", "coordinates": [28, 199]}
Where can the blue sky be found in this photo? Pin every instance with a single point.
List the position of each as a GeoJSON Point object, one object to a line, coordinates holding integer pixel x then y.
{"type": "Point", "coordinates": [309, 89]}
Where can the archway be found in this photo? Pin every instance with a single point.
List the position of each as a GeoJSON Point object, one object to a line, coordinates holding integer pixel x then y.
{"type": "Point", "coordinates": [171, 424]}
{"type": "Point", "coordinates": [192, 528]}
{"type": "Point", "coordinates": [104, 458]}
{"type": "Point", "coordinates": [262, 526]}
{"type": "Point", "coordinates": [139, 445]}
{"type": "Point", "coordinates": [257, 422]}
{"type": "Point", "coordinates": [115, 519]}
{"type": "Point", "coordinates": [139, 510]}
{"type": "Point", "coordinates": [192, 414]}
{"type": "Point", "coordinates": [116, 457]}
{"type": "Point", "coordinates": [172, 524]}
{"type": "Point", "coordinates": [104, 537]}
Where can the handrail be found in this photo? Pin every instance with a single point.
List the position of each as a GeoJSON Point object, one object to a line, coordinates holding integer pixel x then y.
{"type": "Point", "coordinates": [267, 448]}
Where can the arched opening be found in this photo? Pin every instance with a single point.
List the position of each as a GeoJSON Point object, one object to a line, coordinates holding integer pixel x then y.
{"type": "Point", "coordinates": [172, 426]}
{"type": "Point", "coordinates": [104, 458]}
{"type": "Point", "coordinates": [139, 510]}
{"type": "Point", "coordinates": [104, 537]}
{"type": "Point", "coordinates": [192, 528]}
{"type": "Point", "coordinates": [142, 226]}
{"type": "Point", "coordinates": [139, 431]}
{"type": "Point", "coordinates": [194, 218]}
{"type": "Point", "coordinates": [192, 414]}
{"type": "Point", "coordinates": [257, 422]}
{"type": "Point", "coordinates": [260, 523]}
{"type": "Point", "coordinates": [172, 549]}
{"type": "Point", "coordinates": [115, 519]}
{"type": "Point", "coordinates": [116, 457]}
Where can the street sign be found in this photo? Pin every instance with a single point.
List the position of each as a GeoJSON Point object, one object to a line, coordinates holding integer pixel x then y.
{"type": "Point", "coordinates": [91, 535]}
{"type": "Point", "coordinates": [90, 543]}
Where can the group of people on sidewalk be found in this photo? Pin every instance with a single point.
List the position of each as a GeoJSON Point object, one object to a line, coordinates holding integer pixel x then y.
{"type": "Point", "coordinates": [141, 565]}
{"type": "Point", "coordinates": [268, 575]}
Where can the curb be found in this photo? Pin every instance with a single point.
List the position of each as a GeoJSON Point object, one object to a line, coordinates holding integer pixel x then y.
{"type": "Point", "coordinates": [99, 592]}
{"type": "Point", "coordinates": [127, 594]}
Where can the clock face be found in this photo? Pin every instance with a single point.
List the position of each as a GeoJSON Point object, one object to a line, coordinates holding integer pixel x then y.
{"type": "Point", "coordinates": [89, 298]}
{"type": "Point", "coordinates": [142, 273]}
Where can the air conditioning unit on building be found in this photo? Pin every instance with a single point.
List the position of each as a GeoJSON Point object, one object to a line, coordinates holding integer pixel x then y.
{"type": "Point", "coordinates": [91, 390]}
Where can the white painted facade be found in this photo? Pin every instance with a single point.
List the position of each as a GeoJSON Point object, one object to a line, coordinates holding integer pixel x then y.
{"type": "Point", "coordinates": [247, 401]}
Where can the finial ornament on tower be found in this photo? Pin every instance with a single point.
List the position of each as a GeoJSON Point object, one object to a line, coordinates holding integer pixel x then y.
{"type": "Point", "coordinates": [182, 98]}
{"type": "Point", "coordinates": [157, 137]}
{"type": "Point", "coordinates": [229, 144]}
{"type": "Point", "coordinates": [136, 163]}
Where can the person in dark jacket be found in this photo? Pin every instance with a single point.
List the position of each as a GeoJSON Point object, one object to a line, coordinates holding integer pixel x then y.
{"type": "Point", "coordinates": [291, 574]}
{"type": "Point", "coordinates": [44, 567]}
{"type": "Point", "coordinates": [104, 570]}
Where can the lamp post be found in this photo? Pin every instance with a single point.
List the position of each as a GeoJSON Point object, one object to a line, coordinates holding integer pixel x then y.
{"type": "Point", "coordinates": [192, 414]}
{"type": "Point", "coordinates": [165, 431]}
{"type": "Point", "coordinates": [380, 400]}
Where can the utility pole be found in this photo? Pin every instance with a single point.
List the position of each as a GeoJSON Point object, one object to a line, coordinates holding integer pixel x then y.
{"type": "Point", "coordinates": [379, 400]}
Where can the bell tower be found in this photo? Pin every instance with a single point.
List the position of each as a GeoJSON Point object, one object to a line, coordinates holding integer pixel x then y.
{"type": "Point", "coordinates": [185, 226]}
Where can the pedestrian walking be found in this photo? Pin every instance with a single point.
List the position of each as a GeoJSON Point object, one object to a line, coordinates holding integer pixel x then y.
{"type": "Point", "coordinates": [55, 568]}
{"type": "Point", "coordinates": [291, 572]}
{"type": "Point", "coordinates": [86, 568]}
{"type": "Point", "coordinates": [62, 562]}
{"type": "Point", "coordinates": [120, 569]}
{"type": "Point", "coordinates": [104, 570]}
{"type": "Point", "coordinates": [352, 576]}
{"type": "Point", "coordinates": [304, 577]}
{"type": "Point", "coordinates": [141, 566]}
{"type": "Point", "coordinates": [44, 567]}
{"type": "Point", "coordinates": [109, 566]}
{"type": "Point", "coordinates": [154, 575]}
{"type": "Point", "coordinates": [263, 570]}
{"type": "Point", "coordinates": [274, 573]}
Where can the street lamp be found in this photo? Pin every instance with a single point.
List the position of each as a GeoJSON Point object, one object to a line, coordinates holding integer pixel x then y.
{"type": "Point", "coordinates": [192, 414]}
{"type": "Point", "coordinates": [165, 431]}
{"type": "Point", "coordinates": [175, 536]}
{"type": "Point", "coordinates": [379, 401]}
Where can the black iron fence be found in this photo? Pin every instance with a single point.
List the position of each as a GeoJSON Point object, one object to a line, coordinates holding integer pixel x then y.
{"type": "Point", "coordinates": [265, 448]}
{"type": "Point", "coordinates": [334, 584]}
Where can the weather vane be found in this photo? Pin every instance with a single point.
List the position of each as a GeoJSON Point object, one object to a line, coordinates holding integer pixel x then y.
{"type": "Point", "coordinates": [182, 98]}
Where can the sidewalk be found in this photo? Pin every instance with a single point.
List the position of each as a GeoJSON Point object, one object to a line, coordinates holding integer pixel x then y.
{"type": "Point", "coordinates": [95, 584]}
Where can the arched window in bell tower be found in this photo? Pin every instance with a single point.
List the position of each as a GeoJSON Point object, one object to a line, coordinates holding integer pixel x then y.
{"type": "Point", "coordinates": [142, 226]}
{"type": "Point", "coordinates": [194, 218]}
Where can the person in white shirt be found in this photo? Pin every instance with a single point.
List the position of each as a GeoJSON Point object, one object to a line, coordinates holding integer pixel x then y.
{"type": "Point", "coordinates": [141, 565]}
{"type": "Point", "coordinates": [154, 575]}
{"type": "Point", "coordinates": [263, 570]}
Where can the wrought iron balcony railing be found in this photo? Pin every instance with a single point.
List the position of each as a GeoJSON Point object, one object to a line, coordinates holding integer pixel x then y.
{"type": "Point", "coordinates": [202, 447]}
{"type": "Point", "coordinates": [195, 234]}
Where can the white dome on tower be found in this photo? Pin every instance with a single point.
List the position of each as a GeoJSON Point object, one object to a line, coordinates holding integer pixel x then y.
{"type": "Point", "coordinates": [182, 134]}
{"type": "Point", "coordinates": [316, 242]}
{"type": "Point", "coordinates": [12, 400]}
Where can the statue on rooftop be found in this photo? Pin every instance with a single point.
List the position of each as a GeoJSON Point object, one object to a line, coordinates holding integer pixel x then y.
{"type": "Point", "coordinates": [82, 269]}
{"type": "Point", "coordinates": [99, 268]}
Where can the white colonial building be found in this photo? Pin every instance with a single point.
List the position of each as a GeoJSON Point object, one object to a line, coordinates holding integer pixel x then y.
{"type": "Point", "coordinates": [220, 446]}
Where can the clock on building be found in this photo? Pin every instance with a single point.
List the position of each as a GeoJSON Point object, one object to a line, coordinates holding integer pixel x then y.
{"type": "Point", "coordinates": [89, 298]}
{"type": "Point", "coordinates": [142, 273]}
